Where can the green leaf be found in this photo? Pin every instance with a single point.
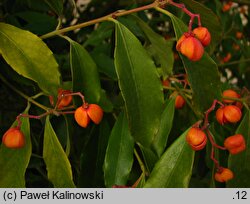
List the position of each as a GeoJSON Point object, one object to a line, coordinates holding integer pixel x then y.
{"type": "Point", "coordinates": [150, 158]}
{"type": "Point", "coordinates": [88, 159]}
{"type": "Point", "coordinates": [105, 64]}
{"type": "Point", "coordinates": [161, 48]}
{"type": "Point", "coordinates": [14, 162]}
{"type": "Point", "coordinates": [239, 163]}
{"type": "Point", "coordinates": [56, 6]}
{"type": "Point", "coordinates": [105, 102]}
{"type": "Point", "coordinates": [160, 140]}
{"type": "Point", "coordinates": [203, 75]}
{"type": "Point", "coordinates": [86, 77]}
{"type": "Point", "coordinates": [92, 157]}
{"type": "Point", "coordinates": [104, 133]}
{"type": "Point", "coordinates": [174, 168]}
{"type": "Point", "coordinates": [208, 19]}
{"type": "Point", "coordinates": [28, 55]}
{"type": "Point", "coordinates": [140, 85]}
{"type": "Point", "coordinates": [103, 31]}
{"type": "Point", "coordinates": [37, 22]}
{"type": "Point", "coordinates": [119, 154]}
{"type": "Point", "coordinates": [61, 128]}
{"type": "Point", "coordinates": [57, 163]}
{"type": "Point", "coordinates": [84, 72]}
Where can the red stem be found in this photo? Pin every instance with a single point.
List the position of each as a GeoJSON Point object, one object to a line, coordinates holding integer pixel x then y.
{"type": "Point", "coordinates": [185, 10]}
{"type": "Point", "coordinates": [51, 111]}
{"type": "Point", "coordinates": [18, 118]}
{"type": "Point", "coordinates": [213, 142]}
{"type": "Point", "coordinates": [66, 112]}
{"type": "Point", "coordinates": [210, 137]}
{"type": "Point", "coordinates": [75, 94]}
{"type": "Point", "coordinates": [206, 122]}
{"type": "Point", "coordinates": [216, 162]}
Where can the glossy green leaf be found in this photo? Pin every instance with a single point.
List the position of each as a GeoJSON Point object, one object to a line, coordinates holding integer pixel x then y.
{"type": "Point", "coordinates": [160, 48]}
{"type": "Point", "coordinates": [14, 162]}
{"type": "Point", "coordinates": [208, 19]}
{"type": "Point", "coordinates": [174, 168]}
{"type": "Point", "coordinates": [140, 86]}
{"type": "Point", "coordinates": [105, 102]}
{"type": "Point", "coordinates": [239, 163]}
{"type": "Point", "coordinates": [150, 158]}
{"type": "Point", "coordinates": [28, 55]}
{"type": "Point", "coordinates": [37, 22]}
{"type": "Point", "coordinates": [61, 128]}
{"type": "Point", "coordinates": [103, 31]}
{"type": "Point", "coordinates": [160, 139]}
{"type": "Point", "coordinates": [104, 134]}
{"type": "Point", "coordinates": [89, 159]}
{"type": "Point", "coordinates": [84, 73]}
{"type": "Point", "coordinates": [93, 155]}
{"type": "Point", "coordinates": [86, 77]}
{"type": "Point", "coordinates": [119, 154]}
{"type": "Point", "coordinates": [203, 75]}
{"type": "Point", "coordinates": [105, 64]}
{"type": "Point", "coordinates": [56, 6]}
{"type": "Point", "coordinates": [57, 163]}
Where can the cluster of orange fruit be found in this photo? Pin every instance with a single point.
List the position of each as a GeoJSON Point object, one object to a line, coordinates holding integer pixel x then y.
{"type": "Point", "coordinates": [229, 113]}
{"type": "Point", "coordinates": [14, 138]}
{"type": "Point", "coordinates": [191, 44]}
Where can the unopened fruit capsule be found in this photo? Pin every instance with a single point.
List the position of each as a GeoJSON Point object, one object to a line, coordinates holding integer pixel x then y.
{"type": "Point", "coordinates": [190, 47]}
{"type": "Point", "coordinates": [203, 35]}
{"type": "Point", "coordinates": [196, 138]}
{"type": "Point", "coordinates": [235, 144]}
{"type": "Point", "coordinates": [13, 138]}
{"type": "Point", "coordinates": [223, 175]}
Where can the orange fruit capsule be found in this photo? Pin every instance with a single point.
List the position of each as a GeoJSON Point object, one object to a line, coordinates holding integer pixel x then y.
{"type": "Point", "coordinates": [95, 113]}
{"type": "Point", "coordinates": [220, 116]}
{"type": "Point", "coordinates": [228, 114]}
{"type": "Point", "coordinates": [165, 82]}
{"type": "Point", "coordinates": [232, 113]}
{"type": "Point", "coordinates": [13, 138]}
{"type": "Point", "coordinates": [179, 102]}
{"type": "Point", "coordinates": [203, 35]}
{"type": "Point", "coordinates": [231, 94]}
{"type": "Point", "coordinates": [87, 112]}
{"type": "Point", "coordinates": [196, 138]}
{"type": "Point", "coordinates": [190, 47]}
{"type": "Point", "coordinates": [239, 35]}
{"type": "Point", "coordinates": [223, 175]}
{"type": "Point", "coordinates": [82, 117]}
{"type": "Point", "coordinates": [235, 144]}
{"type": "Point", "coordinates": [66, 100]}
